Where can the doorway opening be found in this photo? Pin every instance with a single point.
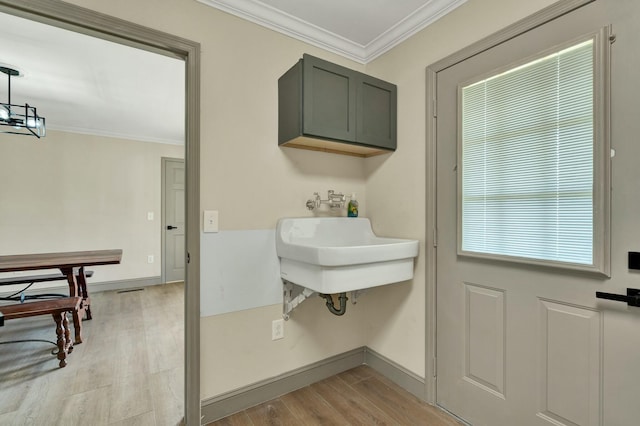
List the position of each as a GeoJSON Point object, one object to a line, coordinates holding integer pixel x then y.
{"type": "Point", "coordinates": [84, 21]}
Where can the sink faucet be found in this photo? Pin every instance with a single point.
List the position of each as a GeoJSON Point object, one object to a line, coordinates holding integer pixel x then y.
{"type": "Point", "coordinates": [335, 200]}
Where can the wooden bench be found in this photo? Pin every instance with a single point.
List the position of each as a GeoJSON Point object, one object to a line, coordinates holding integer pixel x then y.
{"type": "Point", "coordinates": [58, 308]}
{"type": "Point", "coordinates": [41, 278]}
{"type": "Point", "coordinates": [30, 279]}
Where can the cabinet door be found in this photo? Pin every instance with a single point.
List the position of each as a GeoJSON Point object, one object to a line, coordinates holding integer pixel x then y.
{"type": "Point", "coordinates": [376, 112]}
{"type": "Point", "coordinates": [329, 100]}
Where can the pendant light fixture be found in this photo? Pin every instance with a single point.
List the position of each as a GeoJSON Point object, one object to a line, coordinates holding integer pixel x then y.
{"type": "Point", "coordinates": [19, 119]}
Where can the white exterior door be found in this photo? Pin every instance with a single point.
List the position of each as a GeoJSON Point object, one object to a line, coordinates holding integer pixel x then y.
{"type": "Point", "coordinates": [174, 220]}
{"type": "Point", "coordinates": [531, 345]}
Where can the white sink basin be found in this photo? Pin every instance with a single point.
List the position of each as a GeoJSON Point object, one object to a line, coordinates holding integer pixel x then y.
{"type": "Point", "coordinates": [340, 254]}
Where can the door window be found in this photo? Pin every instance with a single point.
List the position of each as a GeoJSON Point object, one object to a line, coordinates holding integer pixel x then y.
{"type": "Point", "coordinates": [529, 141]}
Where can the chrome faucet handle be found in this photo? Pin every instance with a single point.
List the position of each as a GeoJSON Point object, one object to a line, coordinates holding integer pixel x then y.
{"type": "Point", "coordinates": [336, 197]}
{"type": "Point", "coordinates": [334, 200]}
{"type": "Point", "coordinates": [315, 202]}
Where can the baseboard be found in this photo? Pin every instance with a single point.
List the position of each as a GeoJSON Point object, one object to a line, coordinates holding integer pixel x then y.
{"type": "Point", "coordinates": [240, 399]}
{"type": "Point", "coordinates": [231, 402]}
{"type": "Point", "coordinates": [93, 287]}
{"type": "Point", "coordinates": [124, 284]}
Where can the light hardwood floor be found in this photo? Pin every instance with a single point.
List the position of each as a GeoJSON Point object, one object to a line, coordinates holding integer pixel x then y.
{"type": "Point", "coordinates": [128, 371]}
{"type": "Point", "coordinates": [360, 396]}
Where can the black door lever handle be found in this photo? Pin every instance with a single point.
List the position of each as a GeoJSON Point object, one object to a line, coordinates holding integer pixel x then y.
{"type": "Point", "coordinates": [632, 297]}
{"type": "Point", "coordinates": [171, 227]}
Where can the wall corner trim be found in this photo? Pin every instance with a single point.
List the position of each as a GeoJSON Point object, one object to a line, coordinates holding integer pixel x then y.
{"type": "Point", "coordinates": [399, 375]}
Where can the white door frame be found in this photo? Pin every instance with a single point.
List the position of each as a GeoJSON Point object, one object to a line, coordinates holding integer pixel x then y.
{"type": "Point", "coordinates": [541, 17]}
{"type": "Point", "coordinates": [89, 22]}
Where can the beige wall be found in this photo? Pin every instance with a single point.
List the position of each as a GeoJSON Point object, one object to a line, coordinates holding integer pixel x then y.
{"type": "Point", "coordinates": [71, 192]}
{"type": "Point", "coordinates": [396, 189]}
{"type": "Point", "coordinates": [252, 182]}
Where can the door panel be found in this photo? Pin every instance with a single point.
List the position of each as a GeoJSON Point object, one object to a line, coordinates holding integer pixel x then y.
{"type": "Point", "coordinates": [329, 98]}
{"type": "Point", "coordinates": [528, 345]}
{"type": "Point", "coordinates": [485, 338]}
{"type": "Point", "coordinates": [174, 219]}
{"type": "Point", "coordinates": [376, 112]}
{"type": "Point", "coordinates": [570, 362]}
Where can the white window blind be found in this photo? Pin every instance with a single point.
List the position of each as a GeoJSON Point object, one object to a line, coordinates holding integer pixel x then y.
{"type": "Point", "coordinates": [527, 146]}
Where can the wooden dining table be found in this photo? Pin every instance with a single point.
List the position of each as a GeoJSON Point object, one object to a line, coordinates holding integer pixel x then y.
{"type": "Point", "coordinates": [71, 265]}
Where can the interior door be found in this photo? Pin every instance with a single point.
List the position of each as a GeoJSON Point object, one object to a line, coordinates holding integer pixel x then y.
{"type": "Point", "coordinates": [531, 345]}
{"type": "Point", "coordinates": [174, 220]}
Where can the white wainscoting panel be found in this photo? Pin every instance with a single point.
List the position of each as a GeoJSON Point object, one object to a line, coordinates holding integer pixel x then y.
{"type": "Point", "coordinates": [239, 270]}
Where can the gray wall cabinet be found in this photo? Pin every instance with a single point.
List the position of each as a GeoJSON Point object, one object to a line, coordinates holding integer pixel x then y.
{"type": "Point", "coordinates": [324, 106]}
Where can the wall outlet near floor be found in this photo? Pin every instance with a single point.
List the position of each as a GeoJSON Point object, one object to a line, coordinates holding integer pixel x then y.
{"type": "Point", "coordinates": [277, 329]}
{"type": "Point", "coordinates": [150, 258]}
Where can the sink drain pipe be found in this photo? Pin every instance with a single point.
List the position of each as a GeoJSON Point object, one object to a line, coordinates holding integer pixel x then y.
{"type": "Point", "coordinates": [343, 303]}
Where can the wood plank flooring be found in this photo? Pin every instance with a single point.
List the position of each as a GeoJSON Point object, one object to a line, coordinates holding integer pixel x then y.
{"type": "Point", "coordinates": [360, 396]}
{"type": "Point", "coordinates": [128, 371]}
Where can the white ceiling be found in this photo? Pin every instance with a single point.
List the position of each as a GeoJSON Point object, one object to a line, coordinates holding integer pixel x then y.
{"type": "Point", "coordinates": [88, 85]}
{"type": "Point", "coordinates": [360, 30]}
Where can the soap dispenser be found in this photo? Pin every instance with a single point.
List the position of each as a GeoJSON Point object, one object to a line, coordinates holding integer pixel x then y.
{"type": "Point", "coordinates": [352, 208]}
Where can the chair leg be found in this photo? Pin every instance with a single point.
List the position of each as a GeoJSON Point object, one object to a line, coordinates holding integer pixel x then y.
{"type": "Point", "coordinates": [62, 353]}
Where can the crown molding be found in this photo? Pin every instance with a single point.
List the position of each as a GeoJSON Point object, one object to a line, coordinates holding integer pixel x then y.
{"type": "Point", "coordinates": [272, 18]}
{"type": "Point", "coordinates": [410, 25]}
{"type": "Point", "coordinates": [115, 135]}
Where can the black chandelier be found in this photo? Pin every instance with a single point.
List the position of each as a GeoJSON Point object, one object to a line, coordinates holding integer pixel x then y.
{"type": "Point", "coordinates": [19, 119]}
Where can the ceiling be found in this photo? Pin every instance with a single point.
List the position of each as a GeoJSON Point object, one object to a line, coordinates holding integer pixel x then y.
{"type": "Point", "coordinates": [360, 30]}
{"type": "Point", "coordinates": [84, 84]}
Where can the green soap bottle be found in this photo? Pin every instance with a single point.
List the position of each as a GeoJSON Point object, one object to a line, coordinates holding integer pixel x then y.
{"type": "Point", "coordinates": [352, 208]}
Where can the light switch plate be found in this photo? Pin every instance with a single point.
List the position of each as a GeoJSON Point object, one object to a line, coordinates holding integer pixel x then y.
{"type": "Point", "coordinates": [211, 221]}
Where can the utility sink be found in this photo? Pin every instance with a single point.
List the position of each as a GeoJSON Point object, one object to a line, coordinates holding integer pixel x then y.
{"type": "Point", "coordinates": [340, 254]}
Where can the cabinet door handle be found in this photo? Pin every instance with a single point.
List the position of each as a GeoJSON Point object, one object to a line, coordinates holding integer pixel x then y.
{"type": "Point", "coordinates": [632, 298]}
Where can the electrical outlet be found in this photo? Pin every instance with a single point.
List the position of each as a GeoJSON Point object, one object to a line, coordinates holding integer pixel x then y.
{"type": "Point", "coordinates": [150, 258]}
{"type": "Point", "coordinates": [277, 329]}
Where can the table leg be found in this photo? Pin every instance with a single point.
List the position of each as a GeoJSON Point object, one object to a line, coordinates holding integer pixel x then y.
{"type": "Point", "coordinates": [71, 280]}
{"type": "Point", "coordinates": [75, 291]}
{"type": "Point", "coordinates": [82, 287]}
{"type": "Point", "coordinates": [68, 344]}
